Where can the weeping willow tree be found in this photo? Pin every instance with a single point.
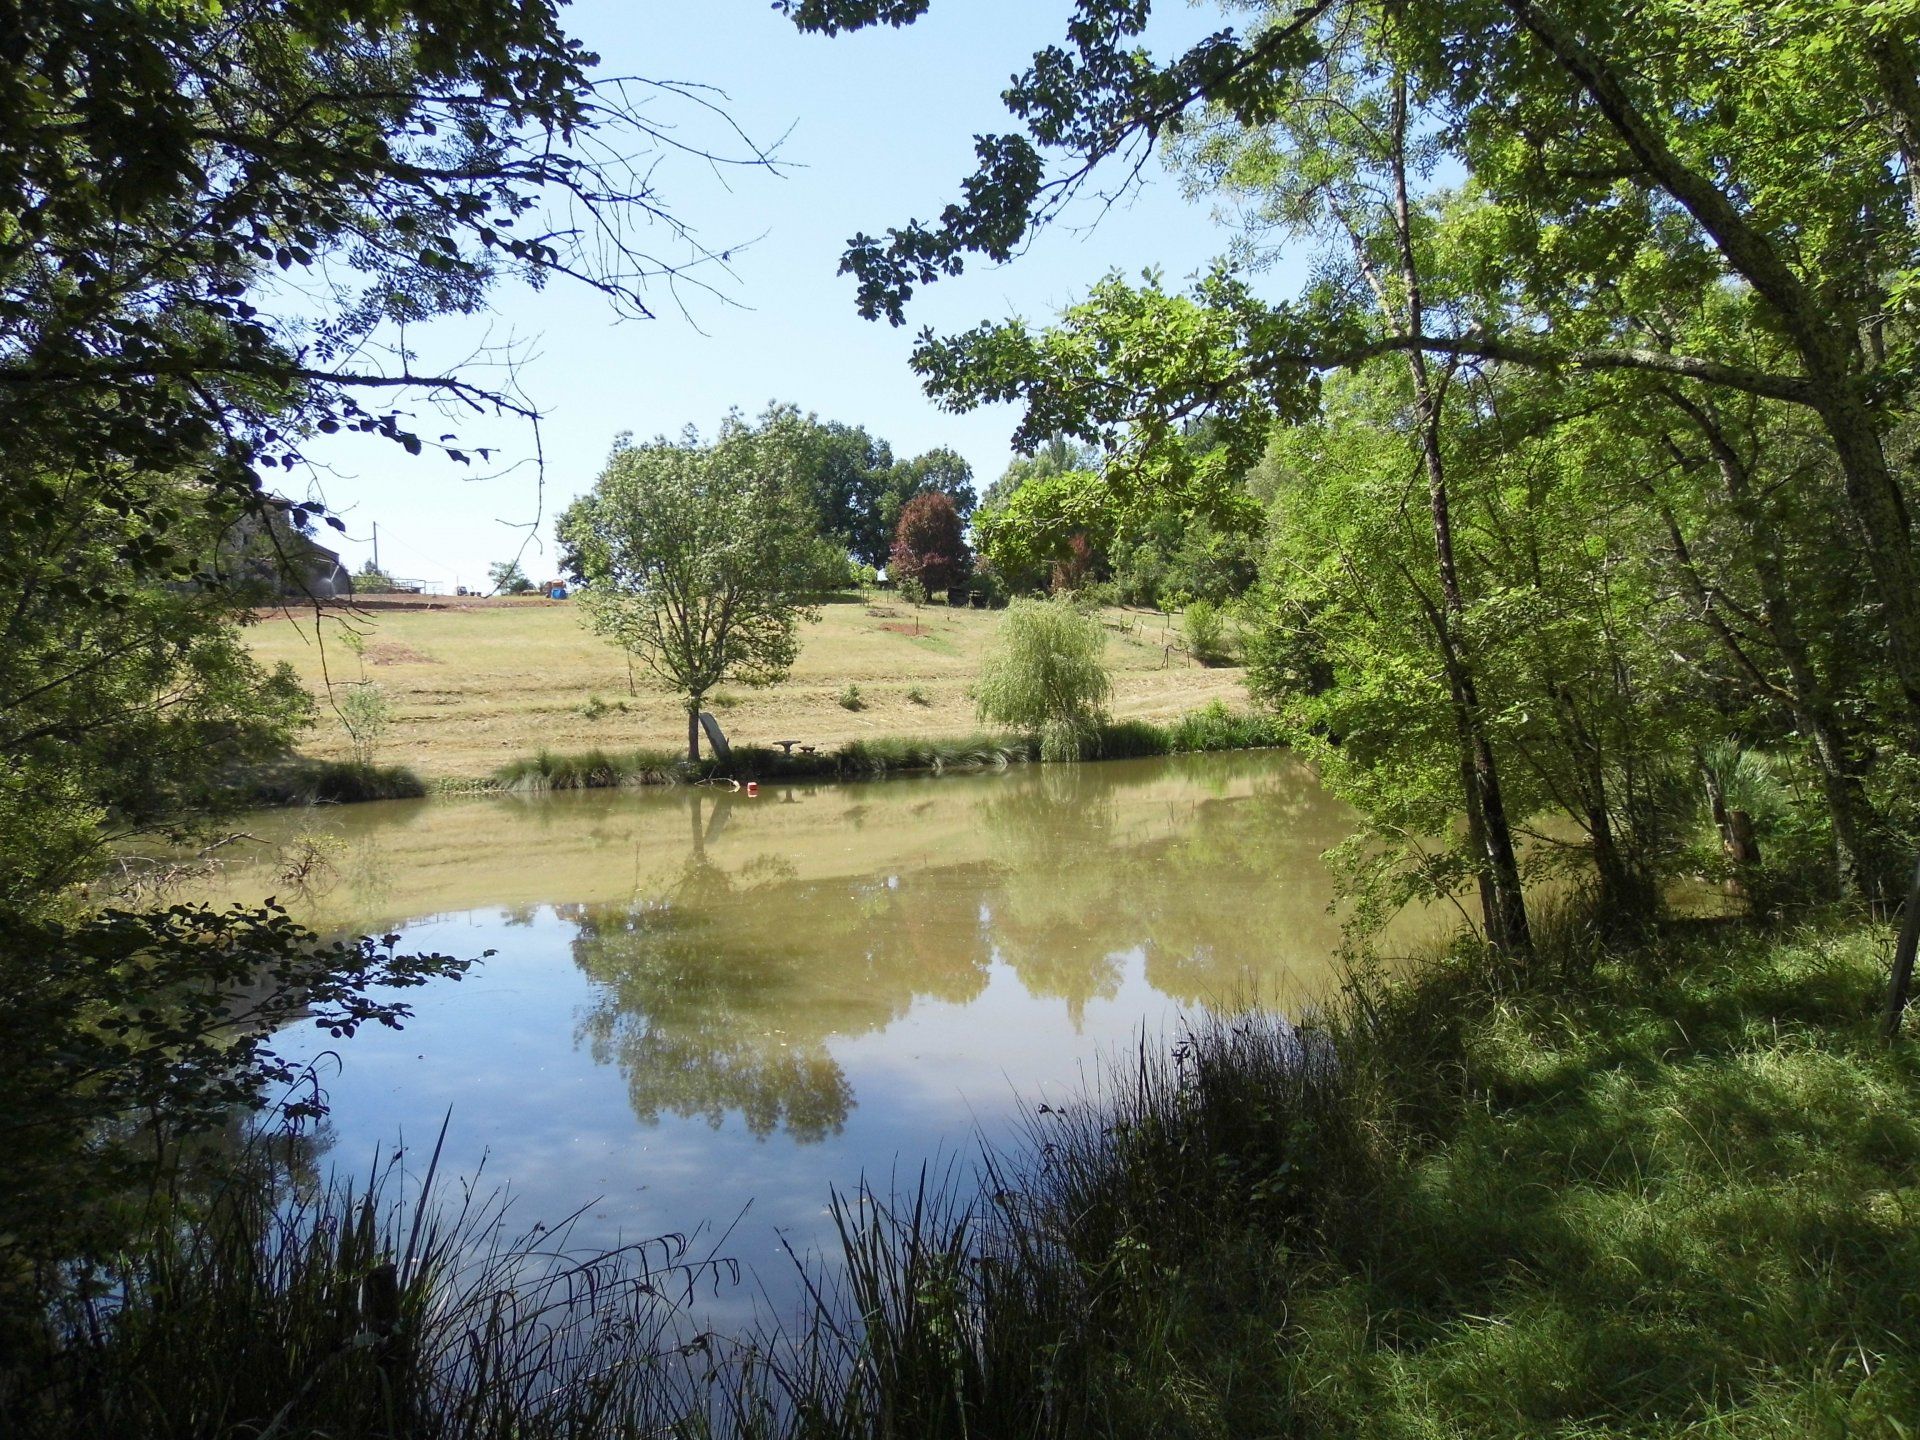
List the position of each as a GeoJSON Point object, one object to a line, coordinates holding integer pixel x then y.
{"type": "Point", "coordinates": [1046, 674]}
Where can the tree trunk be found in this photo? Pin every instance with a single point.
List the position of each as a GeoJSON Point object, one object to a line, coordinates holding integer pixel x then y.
{"type": "Point", "coordinates": [693, 730]}
{"type": "Point", "coordinates": [1815, 713]}
{"type": "Point", "coordinates": [1503, 903]}
{"type": "Point", "coordinates": [1900, 982]}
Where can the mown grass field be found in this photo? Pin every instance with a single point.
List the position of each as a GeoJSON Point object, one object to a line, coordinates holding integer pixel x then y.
{"type": "Point", "coordinates": [476, 684]}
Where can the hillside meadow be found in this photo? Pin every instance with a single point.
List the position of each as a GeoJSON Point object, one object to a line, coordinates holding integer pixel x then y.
{"type": "Point", "coordinates": [476, 683]}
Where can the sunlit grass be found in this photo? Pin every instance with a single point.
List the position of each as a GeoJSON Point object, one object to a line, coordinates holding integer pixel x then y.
{"type": "Point", "coordinates": [477, 688]}
{"type": "Point", "coordinates": [1677, 1194]}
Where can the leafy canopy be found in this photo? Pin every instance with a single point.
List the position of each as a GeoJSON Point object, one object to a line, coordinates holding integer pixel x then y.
{"type": "Point", "coordinates": [697, 558]}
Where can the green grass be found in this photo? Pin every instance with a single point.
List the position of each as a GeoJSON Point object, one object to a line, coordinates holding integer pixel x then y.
{"type": "Point", "coordinates": [1214, 728]}
{"type": "Point", "coordinates": [1671, 1194]}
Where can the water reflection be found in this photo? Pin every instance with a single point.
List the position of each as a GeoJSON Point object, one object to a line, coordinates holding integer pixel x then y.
{"type": "Point", "coordinates": [702, 1001]}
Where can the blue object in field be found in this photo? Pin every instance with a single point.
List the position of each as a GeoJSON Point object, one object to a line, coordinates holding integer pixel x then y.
{"type": "Point", "coordinates": [559, 592]}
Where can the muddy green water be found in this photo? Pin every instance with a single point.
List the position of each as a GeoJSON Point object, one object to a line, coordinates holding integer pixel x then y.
{"type": "Point", "coordinates": [706, 1010]}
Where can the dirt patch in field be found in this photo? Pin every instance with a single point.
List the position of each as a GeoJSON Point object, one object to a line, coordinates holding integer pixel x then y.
{"type": "Point", "coordinates": [906, 629]}
{"type": "Point", "coordinates": [391, 652]}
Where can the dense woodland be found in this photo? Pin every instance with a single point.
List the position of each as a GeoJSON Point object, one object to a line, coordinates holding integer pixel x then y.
{"type": "Point", "coordinates": [1564, 516]}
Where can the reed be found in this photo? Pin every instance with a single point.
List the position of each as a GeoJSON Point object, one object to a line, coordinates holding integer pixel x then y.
{"type": "Point", "coordinates": [276, 1308]}
{"type": "Point", "coordinates": [328, 782]}
{"type": "Point", "coordinates": [1214, 728]}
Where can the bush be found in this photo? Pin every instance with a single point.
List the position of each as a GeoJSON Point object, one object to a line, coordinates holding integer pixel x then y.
{"type": "Point", "coordinates": [911, 590]}
{"type": "Point", "coordinates": [365, 712]}
{"type": "Point", "coordinates": [1206, 631]}
{"type": "Point", "coordinates": [1046, 675]}
{"type": "Point", "coordinates": [851, 699]}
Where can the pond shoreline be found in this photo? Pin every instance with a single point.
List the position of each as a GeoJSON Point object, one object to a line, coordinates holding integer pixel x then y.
{"type": "Point", "coordinates": [304, 781]}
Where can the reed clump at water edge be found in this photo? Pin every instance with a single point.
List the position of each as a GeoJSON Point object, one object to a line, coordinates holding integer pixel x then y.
{"type": "Point", "coordinates": [277, 1306]}
{"type": "Point", "coordinates": [1667, 1190]}
{"type": "Point", "coordinates": [1215, 728]}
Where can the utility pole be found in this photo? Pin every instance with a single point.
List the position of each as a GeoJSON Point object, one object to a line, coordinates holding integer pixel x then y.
{"type": "Point", "coordinates": [376, 549]}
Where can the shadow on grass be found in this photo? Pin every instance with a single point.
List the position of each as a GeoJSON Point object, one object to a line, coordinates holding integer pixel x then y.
{"type": "Point", "coordinates": [1676, 1196]}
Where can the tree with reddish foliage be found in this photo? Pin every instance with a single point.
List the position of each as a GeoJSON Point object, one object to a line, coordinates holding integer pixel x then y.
{"type": "Point", "coordinates": [929, 544]}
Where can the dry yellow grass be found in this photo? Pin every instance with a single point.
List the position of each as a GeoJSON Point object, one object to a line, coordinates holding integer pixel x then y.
{"type": "Point", "coordinates": [476, 684]}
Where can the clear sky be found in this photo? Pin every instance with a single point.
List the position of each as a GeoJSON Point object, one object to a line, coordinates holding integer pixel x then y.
{"type": "Point", "coordinates": [878, 128]}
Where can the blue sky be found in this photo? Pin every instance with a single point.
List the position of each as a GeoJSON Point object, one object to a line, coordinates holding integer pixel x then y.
{"type": "Point", "coordinates": [878, 129]}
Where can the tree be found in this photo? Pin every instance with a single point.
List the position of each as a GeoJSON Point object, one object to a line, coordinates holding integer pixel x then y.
{"type": "Point", "coordinates": [854, 485]}
{"type": "Point", "coordinates": [1045, 675]}
{"type": "Point", "coordinates": [1676, 148]}
{"type": "Point", "coordinates": [697, 559]}
{"type": "Point", "coordinates": [938, 472]}
{"type": "Point", "coordinates": [929, 544]}
{"type": "Point", "coordinates": [168, 175]}
{"type": "Point", "coordinates": [508, 578]}
{"type": "Point", "coordinates": [844, 474]}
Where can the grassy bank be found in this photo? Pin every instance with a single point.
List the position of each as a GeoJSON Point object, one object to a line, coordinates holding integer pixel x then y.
{"type": "Point", "coordinates": [1214, 728]}
{"type": "Point", "coordinates": [477, 683]}
{"type": "Point", "coordinates": [1670, 1191]}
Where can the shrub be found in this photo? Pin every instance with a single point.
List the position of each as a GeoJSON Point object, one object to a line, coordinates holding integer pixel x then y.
{"type": "Point", "coordinates": [1206, 631]}
{"type": "Point", "coordinates": [1046, 675]}
{"type": "Point", "coordinates": [365, 712]}
{"type": "Point", "coordinates": [851, 699]}
{"type": "Point", "coordinates": [912, 591]}
{"type": "Point", "coordinates": [917, 696]}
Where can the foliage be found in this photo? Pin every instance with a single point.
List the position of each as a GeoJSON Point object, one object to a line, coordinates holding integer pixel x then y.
{"type": "Point", "coordinates": [1646, 357]}
{"type": "Point", "coordinates": [125, 704]}
{"type": "Point", "coordinates": [696, 560]}
{"type": "Point", "coordinates": [851, 698]}
{"type": "Point", "coordinates": [508, 578]}
{"type": "Point", "coordinates": [1033, 528]}
{"type": "Point", "coordinates": [1206, 631]}
{"type": "Point", "coordinates": [854, 485]}
{"type": "Point", "coordinates": [365, 712]}
{"type": "Point", "coordinates": [912, 590]}
{"type": "Point", "coordinates": [1046, 676]}
{"type": "Point", "coordinates": [167, 1014]}
{"type": "Point", "coordinates": [166, 167]}
{"type": "Point", "coordinates": [370, 579]}
{"type": "Point", "coordinates": [302, 781]}
{"type": "Point", "coordinates": [1176, 559]}
{"type": "Point", "coordinates": [929, 544]}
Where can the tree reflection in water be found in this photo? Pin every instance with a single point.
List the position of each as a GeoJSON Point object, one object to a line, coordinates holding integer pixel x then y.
{"type": "Point", "coordinates": [716, 991]}
{"type": "Point", "coordinates": [719, 986]}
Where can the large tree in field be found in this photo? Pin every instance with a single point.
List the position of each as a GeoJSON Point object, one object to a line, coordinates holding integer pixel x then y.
{"type": "Point", "coordinates": [698, 560]}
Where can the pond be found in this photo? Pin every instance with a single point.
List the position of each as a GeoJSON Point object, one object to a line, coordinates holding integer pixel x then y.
{"type": "Point", "coordinates": [705, 1011]}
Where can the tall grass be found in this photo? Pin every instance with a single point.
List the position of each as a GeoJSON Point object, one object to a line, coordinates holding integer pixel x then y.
{"type": "Point", "coordinates": [329, 782]}
{"type": "Point", "coordinates": [596, 770]}
{"type": "Point", "coordinates": [288, 1310]}
{"type": "Point", "coordinates": [1659, 1192]}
